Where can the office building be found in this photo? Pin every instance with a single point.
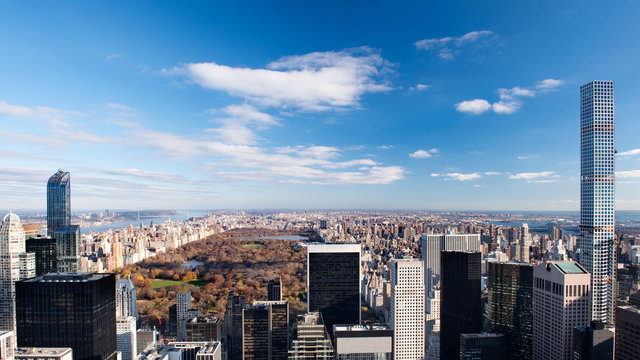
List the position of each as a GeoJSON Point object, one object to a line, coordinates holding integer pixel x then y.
{"type": "Point", "coordinates": [31, 230]}
{"type": "Point", "coordinates": [195, 350]}
{"type": "Point", "coordinates": [510, 306]}
{"type": "Point", "coordinates": [522, 252]}
{"type": "Point", "coordinates": [593, 343]}
{"type": "Point", "coordinates": [45, 252]}
{"type": "Point", "coordinates": [126, 304]}
{"type": "Point", "coordinates": [482, 346]}
{"type": "Point", "coordinates": [43, 354]}
{"type": "Point", "coordinates": [146, 338]}
{"type": "Point", "coordinates": [274, 290]}
{"type": "Point", "coordinates": [68, 248]}
{"type": "Point", "coordinates": [363, 342]}
{"type": "Point", "coordinates": [58, 201]}
{"type": "Point", "coordinates": [310, 341]}
{"type": "Point", "coordinates": [184, 313]}
{"type": "Point", "coordinates": [406, 316]}
{"type": "Point", "coordinates": [597, 200]}
{"type": "Point", "coordinates": [204, 328]}
{"type": "Point", "coordinates": [127, 337]}
{"type": "Point", "coordinates": [15, 265]}
{"type": "Point", "coordinates": [460, 309]}
{"type": "Point", "coordinates": [333, 283]}
{"type": "Point", "coordinates": [233, 326]}
{"type": "Point", "coordinates": [7, 345]}
{"type": "Point", "coordinates": [561, 303]}
{"type": "Point", "coordinates": [265, 330]}
{"type": "Point", "coordinates": [433, 324]}
{"type": "Point", "coordinates": [627, 335]}
{"type": "Point", "coordinates": [434, 244]}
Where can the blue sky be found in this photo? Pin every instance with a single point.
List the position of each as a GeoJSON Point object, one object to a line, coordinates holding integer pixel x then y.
{"type": "Point", "coordinates": [368, 104]}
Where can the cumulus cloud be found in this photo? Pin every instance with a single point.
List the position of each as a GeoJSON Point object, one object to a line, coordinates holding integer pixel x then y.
{"type": "Point", "coordinates": [449, 47]}
{"type": "Point", "coordinates": [527, 156]}
{"type": "Point", "coordinates": [628, 174]}
{"type": "Point", "coordinates": [510, 100]}
{"type": "Point", "coordinates": [630, 152]}
{"type": "Point", "coordinates": [423, 154]}
{"type": "Point", "coordinates": [315, 81]}
{"type": "Point", "coordinates": [385, 147]}
{"type": "Point", "coordinates": [459, 176]}
{"type": "Point", "coordinates": [35, 112]}
{"type": "Point", "coordinates": [536, 177]}
{"type": "Point", "coordinates": [419, 87]}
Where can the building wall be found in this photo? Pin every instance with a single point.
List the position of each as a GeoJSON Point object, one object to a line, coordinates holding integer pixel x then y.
{"type": "Point", "coordinates": [407, 308]}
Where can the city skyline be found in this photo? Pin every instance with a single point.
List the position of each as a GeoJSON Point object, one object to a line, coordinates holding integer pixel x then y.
{"type": "Point", "coordinates": [374, 106]}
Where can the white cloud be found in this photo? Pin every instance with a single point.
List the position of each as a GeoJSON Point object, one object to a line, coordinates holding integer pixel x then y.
{"type": "Point", "coordinates": [510, 99]}
{"type": "Point", "coordinates": [149, 175]}
{"type": "Point", "coordinates": [385, 147]}
{"type": "Point", "coordinates": [536, 177]}
{"type": "Point", "coordinates": [315, 81]}
{"type": "Point", "coordinates": [630, 152]}
{"type": "Point", "coordinates": [423, 154]}
{"type": "Point", "coordinates": [113, 57]}
{"type": "Point", "coordinates": [477, 106]}
{"type": "Point", "coordinates": [36, 112]}
{"type": "Point", "coordinates": [449, 47]}
{"type": "Point", "coordinates": [420, 87]}
{"type": "Point", "coordinates": [239, 122]}
{"type": "Point", "coordinates": [492, 173]}
{"type": "Point", "coordinates": [459, 176]}
{"type": "Point", "coordinates": [629, 174]}
{"type": "Point", "coordinates": [527, 156]}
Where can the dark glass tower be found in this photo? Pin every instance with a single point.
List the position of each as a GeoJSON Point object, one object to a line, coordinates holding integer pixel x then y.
{"type": "Point", "coordinates": [460, 309]}
{"type": "Point", "coordinates": [274, 290]}
{"type": "Point", "coordinates": [58, 201]}
{"type": "Point", "coordinates": [68, 247]}
{"type": "Point", "coordinates": [333, 283]}
{"type": "Point", "coordinates": [265, 330]}
{"type": "Point", "coordinates": [510, 306]}
{"type": "Point", "coordinates": [68, 310]}
{"type": "Point", "coordinates": [233, 326]}
{"type": "Point", "coordinates": [44, 248]}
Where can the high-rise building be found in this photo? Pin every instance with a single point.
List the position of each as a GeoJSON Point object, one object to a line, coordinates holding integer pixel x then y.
{"type": "Point", "coordinates": [233, 326]}
{"type": "Point", "coordinates": [484, 346]}
{"type": "Point", "coordinates": [45, 252]}
{"type": "Point", "coordinates": [68, 248]}
{"type": "Point", "coordinates": [15, 265]}
{"type": "Point", "coordinates": [127, 337]}
{"type": "Point", "coordinates": [627, 335]}
{"type": "Point", "coordinates": [146, 337]}
{"type": "Point", "coordinates": [76, 310]}
{"type": "Point", "coordinates": [7, 345]}
{"type": "Point", "coordinates": [43, 354]}
{"type": "Point", "coordinates": [510, 306]}
{"type": "Point", "coordinates": [432, 332]}
{"type": "Point", "coordinates": [522, 252]}
{"type": "Point", "coordinates": [333, 283]}
{"type": "Point", "coordinates": [204, 328]}
{"type": "Point", "coordinates": [311, 341]}
{"type": "Point", "coordinates": [597, 201]}
{"type": "Point", "coordinates": [265, 331]}
{"type": "Point", "coordinates": [184, 313]}
{"type": "Point", "coordinates": [274, 290]}
{"type": "Point", "coordinates": [406, 316]}
{"type": "Point", "coordinates": [434, 244]}
{"type": "Point", "coordinates": [561, 303]}
{"type": "Point", "coordinates": [460, 309]}
{"type": "Point", "coordinates": [593, 343]}
{"type": "Point", "coordinates": [58, 201]}
{"type": "Point", "coordinates": [126, 304]}
{"type": "Point", "coordinates": [363, 342]}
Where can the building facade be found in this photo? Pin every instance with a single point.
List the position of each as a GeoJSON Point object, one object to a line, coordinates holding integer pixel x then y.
{"type": "Point", "coordinates": [561, 303]}
{"type": "Point", "coordinates": [233, 326]}
{"type": "Point", "coordinates": [204, 328]}
{"type": "Point", "coordinates": [67, 248]}
{"type": "Point", "coordinates": [510, 306]}
{"type": "Point", "coordinates": [627, 335]}
{"type": "Point", "coordinates": [406, 316]}
{"type": "Point", "coordinates": [484, 346]}
{"type": "Point", "coordinates": [265, 331]}
{"type": "Point", "coordinates": [311, 339]}
{"type": "Point", "coordinates": [597, 193]}
{"type": "Point", "coordinates": [333, 283]}
{"type": "Point", "coordinates": [75, 310]}
{"type": "Point", "coordinates": [15, 265]}
{"type": "Point", "coordinates": [45, 251]}
{"type": "Point", "coordinates": [126, 304]}
{"type": "Point", "coordinates": [184, 313]}
{"type": "Point", "coordinates": [363, 342]}
{"type": "Point", "coordinates": [127, 337]}
{"type": "Point", "coordinates": [274, 290]}
{"type": "Point", "coordinates": [460, 309]}
{"type": "Point", "coordinates": [434, 244]}
{"type": "Point", "coordinates": [58, 201]}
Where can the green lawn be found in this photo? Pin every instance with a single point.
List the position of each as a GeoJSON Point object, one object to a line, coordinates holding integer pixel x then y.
{"type": "Point", "coordinates": [156, 284]}
{"type": "Point", "coordinates": [252, 245]}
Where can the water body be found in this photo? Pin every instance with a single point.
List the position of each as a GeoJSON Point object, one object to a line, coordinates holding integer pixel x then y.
{"type": "Point", "coordinates": [280, 237]}
{"type": "Point", "coordinates": [179, 216]}
{"type": "Point", "coordinates": [193, 264]}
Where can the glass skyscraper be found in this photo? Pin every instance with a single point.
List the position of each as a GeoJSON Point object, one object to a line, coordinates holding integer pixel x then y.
{"type": "Point", "coordinates": [597, 178]}
{"type": "Point", "coordinates": [58, 201]}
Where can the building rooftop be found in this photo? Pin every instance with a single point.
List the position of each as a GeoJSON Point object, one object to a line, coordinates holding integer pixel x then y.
{"type": "Point", "coordinates": [362, 327]}
{"type": "Point", "coordinates": [68, 277]}
{"type": "Point", "coordinates": [41, 352]}
{"type": "Point", "coordinates": [333, 248]}
{"type": "Point", "coordinates": [481, 335]}
{"type": "Point", "coordinates": [569, 267]}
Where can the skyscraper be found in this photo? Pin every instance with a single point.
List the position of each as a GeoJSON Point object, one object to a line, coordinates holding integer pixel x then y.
{"type": "Point", "coordinates": [460, 309]}
{"type": "Point", "coordinates": [510, 306]}
{"type": "Point", "coordinates": [15, 264]}
{"type": "Point", "coordinates": [274, 290]}
{"type": "Point", "coordinates": [127, 337]}
{"type": "Point", "coordinates": [58, 201]}
{"type": "Point", "coordinates": [627, 335]}
{"type": "Point", "coordinates": [407, 308]}
{"type": "Point", "coordinates": [311, 340]}
{"type": "Point", "coordinates": [333, 283]}
{"type": "Point", "coordinates": [597, 177]}
{"type": "Point", "coordinates": [67, 248]}
{"type": "Point", "coordinates": [46, 255]}
{"type": "Point", "coordinates": [561, 303]}
{"type": "Point", "coordinates": [434, 244]}
{"type": "Point", "coordinates": [233, 326]}
{"type": "Point", "coordinates": [126, 298]}
{"type": "Point", "coordinates": [265, 330]}
{"type": "Point", "coordinates": [363, 342]}
{"type": "Point", "coordinates": [76, 310]}
{"type": "Point", "coordinates": [184, 313]}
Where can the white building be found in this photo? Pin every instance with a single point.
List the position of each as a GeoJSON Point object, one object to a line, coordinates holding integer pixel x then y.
{"type": "Point", "coordinates": [597, 180]}
{"type": "Point", "coordinates": [561, 303]}
{"type": "Point", "coordinates": [433, 324]}
{"type": "Point", "coordinates": [7, 345]}
{"type": "Point", "coordinates": [184, 313]}
{"type": "Point", "coordinates": [126, 299]}
{"type": "Point", "coordinates": [127, 337]}
{"type": "Point", "coordinates": [407, 308]}
{"type": "Point", "coordinates": [15, 264]}
{"type": "Point", "coordinates": [44, 354]}
{"type": "Point", "coordinates": [434, 244]}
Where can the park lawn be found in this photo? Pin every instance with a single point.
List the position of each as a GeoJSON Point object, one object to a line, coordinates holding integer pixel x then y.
{"type": "Point", "coordinates": [252, 245]}
{"type": "Point", "coordinates": [157, 284]}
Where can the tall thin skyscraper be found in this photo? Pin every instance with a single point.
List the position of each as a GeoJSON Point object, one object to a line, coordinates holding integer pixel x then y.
{"type": "Point", "coordinates": [58, 201]}
{"type": "Point", "coordinates": [265, 330]}
{"type": "Point", "coordinates": [597, 177]}
{"type": "Point", "coordinates": [333, 283]}
{"type": "Point", "coordinates": [15, 264]}
{"type": "Point", "coordinates": [407, 308]}
{"type": "Point", "coordinates": [274, 289]}
{"type": "Point", "coordinates": [461, 308]}
{"type": "Point", "coordinates": [434, 244]}
{"type": "Point", "coordinates": [126, 298]}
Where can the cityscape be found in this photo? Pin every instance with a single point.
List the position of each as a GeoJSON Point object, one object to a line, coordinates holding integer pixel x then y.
{"type": "Point", "coordinates": [339, 187]}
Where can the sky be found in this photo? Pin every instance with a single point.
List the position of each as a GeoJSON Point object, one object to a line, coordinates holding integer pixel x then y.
{"type": "Point", "coordinates": [458, 105]}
